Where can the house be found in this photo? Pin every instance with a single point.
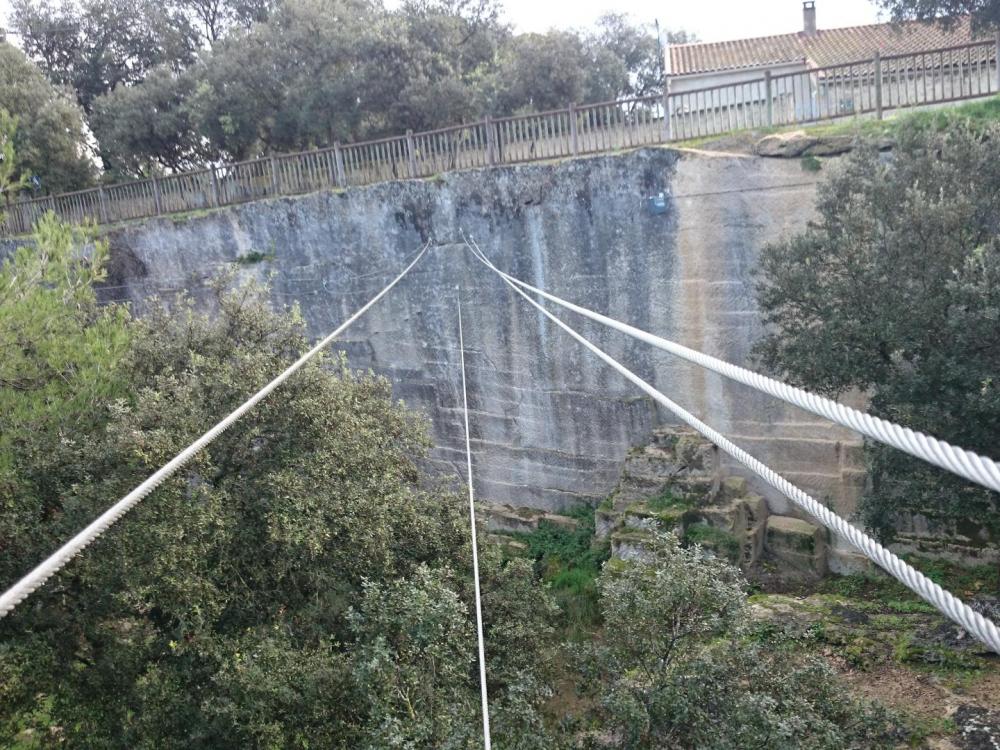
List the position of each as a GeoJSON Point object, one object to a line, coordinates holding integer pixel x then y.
{"type": "Point", "coordinates": [819, 73]}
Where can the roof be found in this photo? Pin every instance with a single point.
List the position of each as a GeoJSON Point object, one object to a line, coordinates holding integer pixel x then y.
{"type": "Point", "coordinates": [825, 47]}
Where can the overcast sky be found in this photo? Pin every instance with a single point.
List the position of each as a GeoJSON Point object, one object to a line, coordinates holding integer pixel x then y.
{"type": "Point", "coordinates": [711, 20]}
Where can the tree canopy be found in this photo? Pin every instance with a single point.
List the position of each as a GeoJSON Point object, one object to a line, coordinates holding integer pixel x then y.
{"type": "Point", "coordinates": [293, 586]}
{"type": "Point", "coordinates": [679, 666]}
{"type": "Point", "coordinates": [894, 291]}
{"type": "Point", "coordinates": [984, 13]}
{"type": "Point", "coordinates": [49, 138]}
{"type": "Point", "coordinates": [167, 86]}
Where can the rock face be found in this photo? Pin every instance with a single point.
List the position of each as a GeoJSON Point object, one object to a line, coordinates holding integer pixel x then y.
{"type": "Point", "coordinates": [676, 484]}
{"type": "Point", "coordinates": [506, 519]}
{"type": "Point", "coordinates": [802, 143]}
{"type": "Point", "coordinates": [551, 425]}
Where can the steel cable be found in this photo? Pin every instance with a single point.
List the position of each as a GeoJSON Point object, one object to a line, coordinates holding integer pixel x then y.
{"type": "Point", "coordinates": [952, 607]}
{"type": "Point", "coordinates": [40, 574]}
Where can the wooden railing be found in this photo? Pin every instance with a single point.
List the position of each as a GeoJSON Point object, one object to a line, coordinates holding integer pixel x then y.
{"type": "Point", "coordinates": [865, 87]}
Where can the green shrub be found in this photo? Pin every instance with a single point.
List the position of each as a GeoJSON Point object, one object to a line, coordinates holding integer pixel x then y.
{"type": "Point", "coordinates": [570, 561]}
{"type": "Point", "coordinates": [811, 164]}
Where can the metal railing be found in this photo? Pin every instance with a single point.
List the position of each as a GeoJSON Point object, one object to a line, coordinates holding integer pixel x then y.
{"type": "Point", "coordinates": [866, 87]}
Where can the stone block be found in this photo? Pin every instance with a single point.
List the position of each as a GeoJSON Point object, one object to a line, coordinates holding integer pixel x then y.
{"type": "Point", "coordinates": [785, 145]}
{"type": "Point", "coordinates": [512, 547]}
{"type": "Point", "coordinates": [731, 488]}
{"type": "Point", "coordinates": [506, 519]}
{"type": "Point", "coordinates": [796, 544]}
{"type": "Point", "coordinates": [631, 545]}
{"type": "Point", "coordinates": [831, 145]}
{"type": "Point", "coordinates": [606, 521]}
{"type": "Point", "coordinates": [563, 522]}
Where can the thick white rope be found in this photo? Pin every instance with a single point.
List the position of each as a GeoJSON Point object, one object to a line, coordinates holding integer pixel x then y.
{"type": "Point", "coordinates": [23, 588]}
{"type": "Point", "coordinates": [949, 605]}
{"type": "Point", "coordinates": [964, 463]}
{"type": "Point", "coordinates": [487, 741]}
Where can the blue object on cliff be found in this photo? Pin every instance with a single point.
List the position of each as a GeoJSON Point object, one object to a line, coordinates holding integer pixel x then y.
{"type": "Point", "coordinates": [657, 204]}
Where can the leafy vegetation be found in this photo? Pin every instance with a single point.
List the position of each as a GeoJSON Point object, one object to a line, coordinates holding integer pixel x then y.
{"type": "Point", "coordinates": [170, 86]}
{"type": "Point", "coordinates": [985, 13]}
{"type": "Point", "coordinates": [894, 291]}
{"type": "Point", "coordinates": [49, 138]}
{"type": "Point", "coordinates": [714, 539]}
{"type": "Point", "coordinates": [676, 667]}
{"type": "Point", "coordinates": [570, 561]}
{"type": "Point", "coordinates": [293, 586]}
{"type": "Point", "coordinates": [254, 257]}
{"type": "Point", "coordinates": [11, 181]}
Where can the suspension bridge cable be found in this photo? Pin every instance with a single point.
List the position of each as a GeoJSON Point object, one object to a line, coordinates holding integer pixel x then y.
{"type": "Point", "coordinates": [949, 605]}
{"type": "Point", "coordinates": [475, 549]}
{"type": "Point", "coordinates": [967, 464]}
{"type": "Point", "coordinates": [29, 583]}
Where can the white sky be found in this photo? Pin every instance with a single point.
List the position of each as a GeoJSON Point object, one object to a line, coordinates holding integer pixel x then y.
{"type": "Point", "coordinates": [711, 20]}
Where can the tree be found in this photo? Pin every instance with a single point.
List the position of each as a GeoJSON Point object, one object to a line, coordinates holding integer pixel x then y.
{"type": "Point", "coordinates": [49, 141]}
{"type": "Point", "coordinates": [538, 72]}
{"type": "Point", "coordinates": [57, 373]}
{"type": "Point", "coordinates": [149, 129]}
{"type": "Point", "coordinates": [11, 179]}
{"type": "Point", "coordinates": [214, 19]}
{"type": "Point", "coordinates": [292, 83]}
{"type": "Point", "coordinates": [270, 593]}
{"type": "Point", "coordinates": [894, 292]}
{"type": "Point", "coordinates": [677, 667]}
{"type": "Point", "coordinates": [639, 52]}
{"type": "Point", "coordinates": [984, 13]}
{"type": "Point", "coordinates": [618, 59]}
{"type": "Point", "coordinates": [412, 663]}
{"type": "Point", "coordinates": [97, 45]}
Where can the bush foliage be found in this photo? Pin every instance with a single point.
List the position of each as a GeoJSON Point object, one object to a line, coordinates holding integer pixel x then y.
{"type": "Point", "coordinates": [895, 292]}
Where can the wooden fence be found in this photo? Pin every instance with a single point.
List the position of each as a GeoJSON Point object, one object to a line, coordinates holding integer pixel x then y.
{"type": "Point", "coordinates": [865, 87]}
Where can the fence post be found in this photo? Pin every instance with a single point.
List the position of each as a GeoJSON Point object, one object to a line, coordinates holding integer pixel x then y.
{"type": "Point", "coordinates": [411, 156]}
{"type": "Point", "coordinates": [768, 95]}
{"type": "Point", "coordinates": [52, 203]}
{"type": "Point", "coordinates": [103, 203]}
{"type": "Point", "coordinates": [275, 183]}
{"type": "Point", "coordinates": [996, 52]}
{"type": "Point", "coordinates": [574, 137]}
{"type": "Point", "coordinates": [666, 110]}
{"type": "Point", "coordinates": [157, 198]}
{"type": "Point", "coordinates": [216, 196]}
{"type": "Point", "coordinates": [491, 146]}
{"type": "Point", "coordinates": [878, 84]}
{"type": "Point", "coordinates": [338, 164]}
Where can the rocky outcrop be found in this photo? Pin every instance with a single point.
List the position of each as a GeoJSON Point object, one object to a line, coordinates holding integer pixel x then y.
{"type": "Point", "coordinates": [676, 483]}
{"type": "Point", "coordinates": [507, 519]}
{"type": "Point", "coordinates": [803, 143]}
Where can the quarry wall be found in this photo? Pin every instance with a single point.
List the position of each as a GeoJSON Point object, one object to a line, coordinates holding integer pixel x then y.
{"type": "Point", "coordinates": [550, 424]}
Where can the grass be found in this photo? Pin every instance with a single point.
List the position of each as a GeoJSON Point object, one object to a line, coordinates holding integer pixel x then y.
{"type": "Point", "coordinates": [570, 561]}
{"type": "Point", "coordinates": [963, 581]}
{"type": "Point", "coordinates": [714, 539]}
{"type": "Point", "coordinates": [667, 500]}
{"type": "Point", "coordinates": [980, 112]}
{"type": "Point", "coordinates": [254, 257]}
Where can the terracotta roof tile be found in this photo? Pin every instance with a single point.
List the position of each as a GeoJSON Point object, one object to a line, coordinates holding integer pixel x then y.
{"type": "Point", "coordinates": [825, 47]}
